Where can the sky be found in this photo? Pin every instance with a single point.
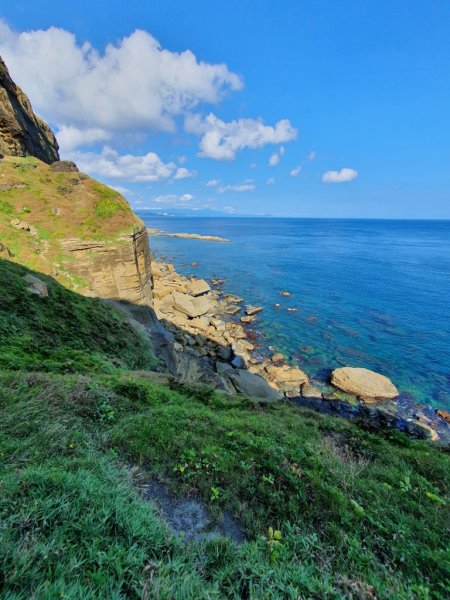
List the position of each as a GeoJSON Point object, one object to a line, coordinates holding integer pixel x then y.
{"type": "Point", "coordinates": [305, 108]}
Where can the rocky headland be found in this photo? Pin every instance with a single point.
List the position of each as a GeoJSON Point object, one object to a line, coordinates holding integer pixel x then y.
{"type": "Point", "coordinates": [60, 222]}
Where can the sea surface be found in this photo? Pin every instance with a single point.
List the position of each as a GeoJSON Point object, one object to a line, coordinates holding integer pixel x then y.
{"type": "Point", "coordinates": [369, 293]}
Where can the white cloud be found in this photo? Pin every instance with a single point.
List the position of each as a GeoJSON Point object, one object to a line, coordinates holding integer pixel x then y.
{"type": "Point", "coordinates": [134, 84]}
{"type": "Point", "coordinates": [127, 167]}
{"type": "Point", "coordinates": [212, 183]}
{"type": "Point", "coordinates": [312, 155]}
{"type": "Point", "coordinates": [173, 199]}
{"type": "Point", "coordinates": [183, 173]}
{"type": "Point", "coordinates": [274, 159]}
{"type": "Point", "coordinates": [245, 186]}
{"type": "Point", "coordinates": [341, 176]}
{"type": "Point", "coordinates": [182, 159]}
{"type": "Point", "coordinates": [295, 172]}
{"type": "Point", "coordinates": [70, 137]}
{"type": "Point", "coordinates": [221, 140]}
{"type": "Point", "coordinates": [281, 151]}
{"type": "Point", "coordinates": [270, 181]}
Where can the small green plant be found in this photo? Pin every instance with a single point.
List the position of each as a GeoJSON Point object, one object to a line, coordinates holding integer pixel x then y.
{"type": "Point", "coordinates": [405, 485]}
{"type": "Point", "coordinates": [274, 543]}
{"type": "Point", "coordinates": [105, 412]}
{"type": "Point", "coordinates": [215, 493]}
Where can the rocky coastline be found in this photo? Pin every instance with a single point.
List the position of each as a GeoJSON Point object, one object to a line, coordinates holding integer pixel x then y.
{"type": "Point", "coordinates": [216, 328]}
{"type": "Point", "coordinates": [188, 236]}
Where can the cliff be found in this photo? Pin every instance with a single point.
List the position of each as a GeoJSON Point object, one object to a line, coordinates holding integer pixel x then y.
{"type": "Point", "coordinates": [63, 223]}
{"type": "Point", "coordinates": [22, 133]}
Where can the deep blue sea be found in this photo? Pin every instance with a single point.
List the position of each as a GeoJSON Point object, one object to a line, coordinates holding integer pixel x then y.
{"type": "Point", "coordinates": [370, 293]}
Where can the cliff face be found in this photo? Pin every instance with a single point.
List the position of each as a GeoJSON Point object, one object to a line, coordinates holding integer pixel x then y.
{"type": "Point", "coordinates": [120, 271]}
{"type": "Point", "coordinates": [22, 133]}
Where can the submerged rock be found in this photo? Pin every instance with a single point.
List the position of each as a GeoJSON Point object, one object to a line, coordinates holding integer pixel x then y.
{"type": "Point", "coordinates": [364, 383]}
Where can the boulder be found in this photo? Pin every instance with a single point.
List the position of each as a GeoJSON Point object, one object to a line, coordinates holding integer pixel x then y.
{"type": "Point", "coordinates": [64, 166]}
{"type": "Point", "coordinates": [37, 286]}
{"type": "Point", "coordinates": [197, 287]}
{"type": "Point", "coordinates": [248, 319]}
{"type": "Point", "coordinates": [224, 352]}
{"type": "Point", "coordinates": [252, 310]}
{"type": "Point", "coordinates": [252, 385]}
{"type": "Point", "coordinates": [364, 383]}
{"type": "Point", "coordinates": [277, 358]}
{"type": "Point", "coordinates": [443, 414]}
{"type": "Point", "coordinates": [287, 378]}
{"type": "Point", "coordinates": [190, 305]}
{"type": "Point", "coordinates": [238, 362]}
{"type": "Point", "coordinates": [311, 391]}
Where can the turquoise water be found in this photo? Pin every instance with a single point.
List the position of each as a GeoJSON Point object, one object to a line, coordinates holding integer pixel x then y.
{"type": "Point", "coordinates": [374, 294]}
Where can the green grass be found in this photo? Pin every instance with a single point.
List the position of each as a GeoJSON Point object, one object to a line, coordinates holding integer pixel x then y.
{"type": "Point", "coordinates": [360, 516]}
{"type": "Point", "coordinates": [109, 202]}
{"type": "Point", "coordinates": [64, 332]}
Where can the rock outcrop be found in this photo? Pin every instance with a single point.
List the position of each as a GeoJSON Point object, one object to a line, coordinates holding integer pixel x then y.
{"type": "Point", "coordinates": [117, 270]}
{"type": "Point", "coordinates": [364, 383]}
{"type": "Point", "coordinates": [22, 133]}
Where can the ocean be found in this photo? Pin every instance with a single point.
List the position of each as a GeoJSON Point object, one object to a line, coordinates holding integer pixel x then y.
{"type": "Point", "coordinates": [369, 293]}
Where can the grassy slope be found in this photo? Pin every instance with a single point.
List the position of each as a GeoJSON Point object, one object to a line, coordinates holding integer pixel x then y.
{"type": "Point", "coordinates": [58, 205]}
{"type": "Point", "coordinates": [361, 516]}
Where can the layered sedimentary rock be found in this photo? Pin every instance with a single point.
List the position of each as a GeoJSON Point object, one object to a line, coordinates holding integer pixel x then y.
{"type": "Point", "coordinates": [22, 133]}
{"type": "Point", "coordinates": [118, 270]}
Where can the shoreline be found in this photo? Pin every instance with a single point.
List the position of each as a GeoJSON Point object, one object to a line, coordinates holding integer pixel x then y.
{"type": "Point", "coordinates": [223, 336]}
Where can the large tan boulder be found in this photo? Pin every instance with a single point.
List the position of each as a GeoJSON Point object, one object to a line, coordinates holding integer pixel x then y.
{"type": "Point", "coordinates": [190, 305]}
{"type": "Point", "coordinates": [197, 287]}
{"type": "Point", "coordinates": [287, 378]}
{"type": "Point", "coordinates": [364, 383]}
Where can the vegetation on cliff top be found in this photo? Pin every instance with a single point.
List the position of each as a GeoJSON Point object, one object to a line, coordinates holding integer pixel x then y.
{"type": "Point", "coordinates": [358, 515]}
{"type": "Point", "coordinates": [57, 205]}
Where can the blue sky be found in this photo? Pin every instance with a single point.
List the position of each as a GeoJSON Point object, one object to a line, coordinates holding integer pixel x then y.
{"type": "Point", "coordinates": [297, 108]}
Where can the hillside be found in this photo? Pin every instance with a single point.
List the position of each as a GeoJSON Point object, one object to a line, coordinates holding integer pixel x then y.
{"type": "Point", "coordinates": [89, 434]}
{"type": "Point", "coordinates": [65, 224]}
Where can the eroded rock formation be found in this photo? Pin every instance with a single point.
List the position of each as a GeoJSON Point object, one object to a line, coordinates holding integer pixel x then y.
{"type": "Point", "coordinates": [22, 133]}
{"type": "Point", "coordinates": [119, 270]}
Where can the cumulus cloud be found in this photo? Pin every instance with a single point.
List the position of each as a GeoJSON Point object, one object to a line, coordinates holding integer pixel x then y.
{"type": "Point", "coordinates": [183, 173]}
{"type": "Point", "coordinates": [212, 183]}
{"type": "Point", "coordinates": [70, 137]}
{"type": "Point", "coordinates": [341, 176]}
{"type": "Point", "coordinates": [134, 84]}
{"type": "Point", "coordinates": [274, 159]}
{"type": "Point", "coordinates": [270, 181]}
{"type": "Point", "coordinates": [221, 140]}
{"type": "Point", "coordinates": [295, 172]}
{"type": "Point", "coordinates": [128, 167]}
{"type": "Point", "coordinates": [312, 155]}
